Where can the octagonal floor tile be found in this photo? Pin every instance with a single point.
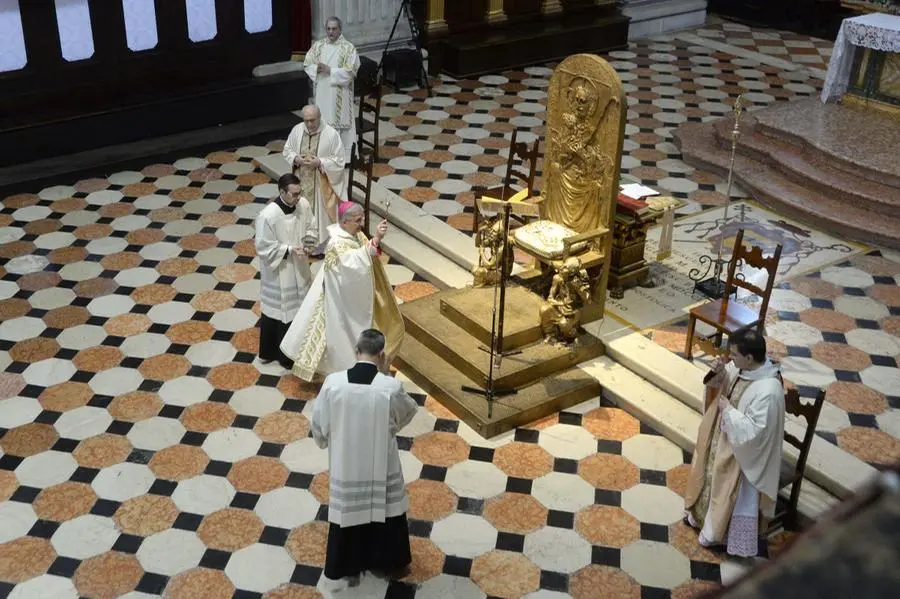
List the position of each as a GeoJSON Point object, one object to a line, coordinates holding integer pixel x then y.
{"type": "Point", "coordinates": [652, 452]}
{"type": "Point", "coordinates": [85, 536]}
{"type": "Point", "coordinates": [557, 549]}
{"type": "Point", "coordinates": [464, 535]}
{"type": "Point", "coordinates": [476, 479]}
{"type": "Point", "coordinates": [653, 504]}
{"type": "Point", "coordinates": [260, 568]}
{"type": "Point", "coordinates": [655, 564]}
{"type": "Point", "coordinates": [565, 492]}
{"type": "Point", "coordinates": [171, 552]}
{"type": "Point", "coordinates": [568, 441]}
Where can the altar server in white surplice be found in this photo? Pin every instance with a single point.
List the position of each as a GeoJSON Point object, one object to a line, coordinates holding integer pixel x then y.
{"type": "Point", "coordinates": [349, 294]}
{"type": "Point", "coordinates": [316, 155]}
{"type": "Point", "coordinates": [331, 64]}
{"type": "Point", "coordinates": [356, 416]}
{"type": "Point", "coordinates": [283, 266]}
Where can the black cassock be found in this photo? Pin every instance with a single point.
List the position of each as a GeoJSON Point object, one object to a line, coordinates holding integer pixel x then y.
{"type": "Point", "coordinates": [380, 547]}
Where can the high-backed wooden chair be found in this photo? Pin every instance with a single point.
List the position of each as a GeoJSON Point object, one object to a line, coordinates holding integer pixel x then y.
{"type": "Point", "coordinates": [518, 183]}
{"type": "Point", "coordinates": [361, 164]}
{"type": "Point", "coordinates": [793, 475]}
{"type": "Point", "coordinates": [367, 120]}
{"type": "Point", "coordinates": [727, 315]}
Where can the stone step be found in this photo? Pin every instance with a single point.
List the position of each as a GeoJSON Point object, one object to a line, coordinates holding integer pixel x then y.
{"type": "Point", "coordinates": [697, 142]}
{"type": "Point", "coordinates": [530, 364]}
{"type": "Point", "coordinates": [676, 421]}
{"type": "Point", "coordinates": [430, 230]}
{"type": "Point", "coordinates": [828, 466]}
{"type": "Point", "coordinates": [425, 261]}
{"type": "Point", "coordinates": [809, 169]}
{"type": "Point", "coordinates": [435, 376]}
{"type": "Point", "coordinates": [859, 141]}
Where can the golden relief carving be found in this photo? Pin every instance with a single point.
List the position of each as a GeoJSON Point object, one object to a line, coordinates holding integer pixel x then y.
{"type": "Point", "coordinates": [561, 311]}
{"type": "Point", "coordinates": [490, 239]}
{"type": "Point", "coordinates": [585, 113]}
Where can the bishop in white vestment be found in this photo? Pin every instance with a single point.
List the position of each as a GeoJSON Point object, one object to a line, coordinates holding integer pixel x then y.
{"type": "Point", "coordinates": [733, 483]}
{"type": "Point", "coordinates": [316, 155]}
{"type": "Point", "coordinates": [356, 416]}
{"type": "Point", "coordinates": [283, 266]}
{"type": "Point", "coordinates": [349, 294]}
{"type": "Point", "coordinates": [331, 64]}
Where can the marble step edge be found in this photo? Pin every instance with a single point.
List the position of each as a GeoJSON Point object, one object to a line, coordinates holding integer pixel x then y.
{"type": "Point", "coordinates": [697, 144]}
{"type": "Point", "coordinates": [809, 166]}
{"type": "Point", "coordinates": [676, 421]}
{"type": "Point", "coordinates": [430, 230]}
{"type": "Point", "coordinates": [848, 164]}
{"type": "Point", "coordinates": [829, 466]}
{"type": "Point", "coordinates": [424, 261]}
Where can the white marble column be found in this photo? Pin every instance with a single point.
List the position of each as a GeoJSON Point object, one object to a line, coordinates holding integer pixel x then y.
{"type": "Point", "coordinates": [367, 23]}
{"type": "Point", "coordinates": [652, 17]}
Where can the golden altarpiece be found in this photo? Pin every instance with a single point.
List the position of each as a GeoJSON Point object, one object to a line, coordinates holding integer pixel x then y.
{"type": "Point", "coordinates": [520, 333]}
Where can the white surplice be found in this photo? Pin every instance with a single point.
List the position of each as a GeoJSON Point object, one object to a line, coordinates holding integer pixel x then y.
{"type": "Point", "coordinates": [359, 423]}
{"type": "Point", "coordinates": [331, 152]}
{"type": "Point", "coordinates": [333, 92]}
{"type": "Point", "coordinates": [284, 276]}
{"type": "Point", "coordinates": [338, 307]}
{"type": "Point", "coordinates": [754, 430]}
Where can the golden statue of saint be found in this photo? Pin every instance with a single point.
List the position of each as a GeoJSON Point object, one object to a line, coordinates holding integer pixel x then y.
{"type": "Point", "coordinates": [585, 122]}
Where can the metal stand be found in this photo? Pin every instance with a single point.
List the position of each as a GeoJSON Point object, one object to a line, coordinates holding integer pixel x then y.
{"type": "Point", "coordinates": [714, 287]}
{"type": "Point", "coordinates": [495, 351]}
{"type": "Point", "coordinates": [417, 39]}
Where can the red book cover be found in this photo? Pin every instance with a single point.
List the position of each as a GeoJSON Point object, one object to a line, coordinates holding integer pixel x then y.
{"type": "Point", "coordinates": [631, 206]}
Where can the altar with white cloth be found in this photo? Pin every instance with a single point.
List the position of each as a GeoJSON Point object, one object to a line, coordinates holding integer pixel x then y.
{"type": "Point", "coordinates": [865, 63]}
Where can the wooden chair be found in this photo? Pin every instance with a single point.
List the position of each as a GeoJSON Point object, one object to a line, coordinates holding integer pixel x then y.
{"type": "Point", "coordinates": [365, 126]}
{"type": "Point", "coordinates": [362, 163]}
{"type": "Point", "coordinates": [727, 315]}
{"type": "Point", "coordinates": [793, 475]}
{"type": "Point", "coordinates": [520, 168]}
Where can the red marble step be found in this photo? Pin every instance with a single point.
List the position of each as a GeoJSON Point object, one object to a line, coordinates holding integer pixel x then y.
{"type": "Point", "coordinates": [809, 169]}
{"type": "Point", "coordinates": [699, 147]}
{"type": "Point", "coordinates": [862, 142]}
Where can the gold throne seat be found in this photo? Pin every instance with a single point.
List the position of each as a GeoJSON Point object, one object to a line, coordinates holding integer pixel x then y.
{"type": "Point", "coordinates": [552, 242]}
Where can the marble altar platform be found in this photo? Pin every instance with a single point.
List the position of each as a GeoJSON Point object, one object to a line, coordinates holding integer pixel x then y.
{"type": "Point", "coordinates": [831, 165]}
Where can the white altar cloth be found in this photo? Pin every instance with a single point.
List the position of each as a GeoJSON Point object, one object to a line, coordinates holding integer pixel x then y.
{"type": "Point", "coordinates": [877, 31]}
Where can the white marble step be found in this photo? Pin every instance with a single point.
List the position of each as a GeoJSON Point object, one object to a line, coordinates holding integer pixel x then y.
{"type": "Point", "coordinates": [427, 228]}
{"type": "Point", "coordinates": [676, 421]}
{"type": "Point", "coordinates": [827, 465]}
{"type": "Point", "coordinates": [425, 261]}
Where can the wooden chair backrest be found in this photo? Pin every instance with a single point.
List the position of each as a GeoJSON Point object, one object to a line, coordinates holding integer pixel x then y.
{"type": "Point", "coordinates": [493, 205]}
{"type": "Point", "coordinates": [809, 411]}
{"type": "Point", "coordinates": [362, 162]}
{"type": "Point", "coordinates": [521, 163]}
{"type": "Point", "coordinates": [752, 256]}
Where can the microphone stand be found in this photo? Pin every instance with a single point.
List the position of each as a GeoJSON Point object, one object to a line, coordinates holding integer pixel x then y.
{"type": "Point", "coordinates": [495, 351]}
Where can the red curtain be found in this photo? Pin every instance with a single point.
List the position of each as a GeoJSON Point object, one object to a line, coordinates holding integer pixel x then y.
{"type": "Point", "coordinates": [301, 28]}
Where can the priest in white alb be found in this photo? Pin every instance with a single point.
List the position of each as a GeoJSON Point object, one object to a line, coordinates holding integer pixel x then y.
{"type": "Point", "coordinates": [283, 265]}
{"type": "Point", "coordinates": [332, 64]}
{"type": "Point", "coordinates": [733, 483]}
{"type": "Point", "coordinates": [316, 155]}
{"type": "Point", "coordinates": [349, 294]}
{"type": "Point", "coordinates": [356, 416]}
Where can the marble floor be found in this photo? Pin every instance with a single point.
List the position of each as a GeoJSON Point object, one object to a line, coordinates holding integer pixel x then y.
{"type": "Point", "coordinates": [144, 452]}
